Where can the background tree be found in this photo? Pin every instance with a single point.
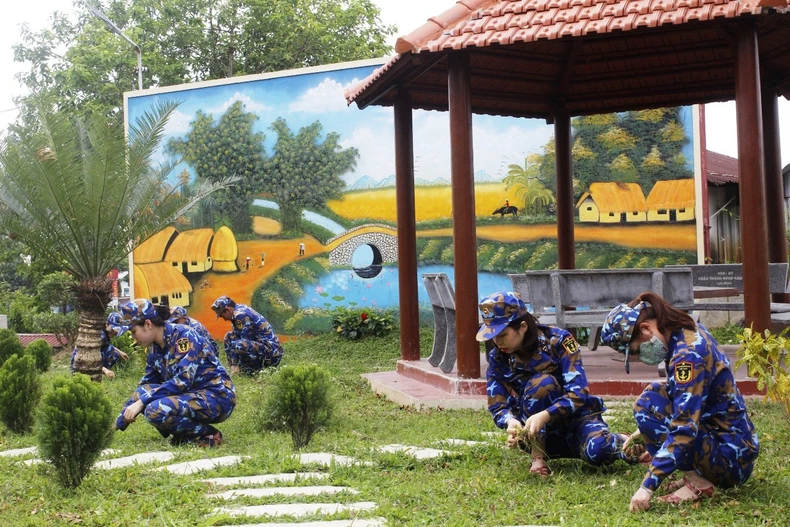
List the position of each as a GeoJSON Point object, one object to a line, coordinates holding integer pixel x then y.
{"type": "Point", "coordinates": [186, 41]}
{"type": "Point", "coordinates": [305, 170]}
{"type": "Point", "coordinates": [81, 197]}
{"type": "Point", "coordinates": [528, 184]}
{"type": "Point", "coordinates": [218, 150]}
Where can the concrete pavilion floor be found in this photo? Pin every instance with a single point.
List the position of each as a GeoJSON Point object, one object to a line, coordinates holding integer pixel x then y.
{"type": "Point", "coordinates": [417, 383]}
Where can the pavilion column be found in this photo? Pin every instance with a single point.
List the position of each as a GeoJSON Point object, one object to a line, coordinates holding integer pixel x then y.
{"type": "Point", "coordinates": [407, 229]}
{"type": "Point", "coordinates": [754, 228]}
{"type": "Point", "coordinates": [562, 149]}
{"type": "Point", "coordinates": [464, 235]}
{"type": "Point", "coordinates": [774, 185]}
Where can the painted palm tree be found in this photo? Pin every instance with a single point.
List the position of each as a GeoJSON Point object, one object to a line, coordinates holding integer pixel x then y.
{"type": "Point", "coordinates": [82, 196]}
{"type": "Point", "coordinates": [528, 186]}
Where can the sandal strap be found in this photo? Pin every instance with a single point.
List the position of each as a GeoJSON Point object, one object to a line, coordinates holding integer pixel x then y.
{"type": "Point", "coordinates": [708, 492]}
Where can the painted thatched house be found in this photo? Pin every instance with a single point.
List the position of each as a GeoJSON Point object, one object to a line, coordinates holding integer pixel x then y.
{"type": "Point", "coordinates": [613, 203]}
{"type": "Point", "coordinates": [161, 282]}
{"type": "Point", "coordinates": [224, 251]}
{"type": "Point", "coordinates": [154, 248]}
{"type": "Point", "coordinates": [671, 200]}
{"type": "Point", "coordinates": [189, 251]}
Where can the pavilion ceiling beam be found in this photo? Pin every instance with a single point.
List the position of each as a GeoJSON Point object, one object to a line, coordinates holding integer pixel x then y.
{"type": "Point", "coordinates": [670, 69]}
{"type": "Point", "coordinates": [516, 98]}
{"type": "Point", "coordinates": [650, 53]}
{"type": "Point", "coordinates": [570, 64]}
{"type": "Point", "coordinates": [423, 67]}
{"type": "Point", "coordinates": [516, 56]}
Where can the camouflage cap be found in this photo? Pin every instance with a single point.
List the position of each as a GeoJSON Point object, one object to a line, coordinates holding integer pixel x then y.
{"type": "Point", "coordinates": [134, 313]}
{"type": "Point", "coordinates": [499, 310]}
{"type": "Point", "coordinates": [116, 323]}
{"type": "Point", "coordinates": [177, 313]}
{"type": "Point", "coordinates": [619, 326]}
{"type": "Point", "coordinates": [221, 303]}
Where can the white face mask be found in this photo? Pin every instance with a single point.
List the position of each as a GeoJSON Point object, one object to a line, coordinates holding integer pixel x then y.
{"type": "Point", "coordinates": [653, 351]}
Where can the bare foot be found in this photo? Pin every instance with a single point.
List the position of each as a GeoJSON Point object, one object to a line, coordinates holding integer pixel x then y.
{"type": "Point", "coordinates": [540, 467]}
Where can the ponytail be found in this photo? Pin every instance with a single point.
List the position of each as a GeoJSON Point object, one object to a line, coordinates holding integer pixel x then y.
{"type": "Point", "coordinates": [668, 318]}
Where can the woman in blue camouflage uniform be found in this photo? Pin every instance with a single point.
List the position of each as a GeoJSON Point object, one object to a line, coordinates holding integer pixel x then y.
{"type": "Point", "coordinates": [697, 422]}
{"type": "Point", "coordinates": [178, 315]}
{"type": "Point", "coordinates": [184, 389]}
{"type": "Point", "coordinates": [252, 344]}
{"type": "Point", "coordinates": [536, 381]}
{"type": "Point", "coordinates": [110, 355]}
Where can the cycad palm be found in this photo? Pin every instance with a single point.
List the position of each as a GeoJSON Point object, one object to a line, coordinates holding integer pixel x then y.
{"type": "Point", "coordinates": [81, 196]}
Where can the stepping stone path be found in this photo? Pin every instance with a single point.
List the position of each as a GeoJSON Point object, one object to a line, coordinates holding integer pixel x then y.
{"type": "Point", "coordinates": [190, 467]}
{"type": "Point", "coordinates": [297, 509]}
{"type": "Point", "coordinates": [376, 522]}
{"type": "Point", "coordinates": [267, 478]}
{"type": "Point", "coordinates": [415, 452]}
{"type": "Point", "coordinates": [19, 452]}
{"type": "Point", "coordinates": [137, 459]}
{"type": "Point", "coordinates": [282, 491]}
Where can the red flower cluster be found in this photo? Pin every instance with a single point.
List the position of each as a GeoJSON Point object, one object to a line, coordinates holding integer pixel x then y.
{"type": "Point", "coordinates": [363, 316]}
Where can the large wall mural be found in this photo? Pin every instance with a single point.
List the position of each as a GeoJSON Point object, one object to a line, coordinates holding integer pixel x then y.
{"type": "Point", "coordinates": [311, 225]}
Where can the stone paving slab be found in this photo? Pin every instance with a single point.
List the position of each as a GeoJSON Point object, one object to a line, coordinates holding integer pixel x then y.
{"type": "Point", "coordinates": [414, 451]}
{"type": "Point", "coordinates": [19, 452]}
{"type": "Point", "coordinates": [190, 467]}
{"type": "Point", "coordinates": [136, 459]}
{"type": "Point", "coordinates": [296, 509]}
{"type": "Point", "coordinates": [282, 491]}
{"type": "Point", "coordinates": [326, 459]}
{"type": "Point", "coordinates": [265, 478]}
{"type": "Point", "coordinates": [357, 522]}
{"type": "Point", "coordinates": [461, 442]}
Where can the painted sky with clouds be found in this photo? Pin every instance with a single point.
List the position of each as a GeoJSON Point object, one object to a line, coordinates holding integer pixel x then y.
{"type": "Point", "coordinates": [304, 98]}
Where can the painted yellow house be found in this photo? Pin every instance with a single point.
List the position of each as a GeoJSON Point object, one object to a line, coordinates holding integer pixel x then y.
{"type": "Point", "coordinates": [224, 251]}
{"type": "Point", "coordinates": [671, 200]}
{"type": "Point", "coordinates": [154, 248]}
{"type": "Point", "coordinates": [189, 251]}
{"type": "Point", "coordinates": [613, 203]}
{"type": "Point", "coordinates": [161, 282]}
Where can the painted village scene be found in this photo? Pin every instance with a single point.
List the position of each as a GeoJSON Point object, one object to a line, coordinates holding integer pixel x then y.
{"type": "Point", "coordinates": [312, 224]}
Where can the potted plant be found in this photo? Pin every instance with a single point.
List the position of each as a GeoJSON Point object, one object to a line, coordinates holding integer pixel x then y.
{"type": "Point", "coordinates": [764, 355]}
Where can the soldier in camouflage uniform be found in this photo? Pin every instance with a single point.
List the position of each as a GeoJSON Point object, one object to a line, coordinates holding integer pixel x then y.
{"type": "Point", "coordinates": [536, 381]}
{"type": "Point", "coordinates": [697, 422]}
{"type": "Point", "coordinates": [178, 315]}
{"type": "Point", "coordinates": [110, 355]}
{"type": "Point", "coordinates": [252, 344]}
{"type": "Point", "coordinates": [184, 389]}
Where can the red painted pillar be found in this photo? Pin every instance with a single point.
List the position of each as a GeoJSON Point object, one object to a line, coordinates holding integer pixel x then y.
{"type": "Point", "coordinates": [774, 184]}
{"type": "Point", "coordinates": [459, 90]}
{"type": "Point", "coordinates": [703, 148]}
{"type": "Point", "coordinates": [407, 230]}
{"type": "Point", "coordinates": [754, 228]}
{"type": "Point", "coordinates": [564, 164]}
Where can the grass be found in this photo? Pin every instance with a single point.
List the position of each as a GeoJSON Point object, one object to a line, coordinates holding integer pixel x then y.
{"type": "Point", "coordinates": [485, 485]}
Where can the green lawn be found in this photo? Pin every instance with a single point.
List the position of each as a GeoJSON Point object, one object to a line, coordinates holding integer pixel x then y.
{"type": "Point", "coordinates": [484, 485]}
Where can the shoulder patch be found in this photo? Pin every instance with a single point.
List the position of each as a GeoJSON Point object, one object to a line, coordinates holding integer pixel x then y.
{"type": "Point", "coordinates": [570, 345]}
{"type": "Point", "coordinates": [684, 372]}
{"type": "Point", "coordinates": [239, 324]}
{"type": "Point", "coordinates": [183, 345]}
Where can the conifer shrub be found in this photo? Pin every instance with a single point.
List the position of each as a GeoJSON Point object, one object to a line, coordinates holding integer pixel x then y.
{"type": "Point", "coordinates": [41, 352]}
{"type": "Point", "coordinates": [299, 401]}
{"type": "Point", "coordinates": [74, 426]}
{"type": "Point", "coordinates": [9, 345]}
{"type": "Point", "coordinates": [20, 390]}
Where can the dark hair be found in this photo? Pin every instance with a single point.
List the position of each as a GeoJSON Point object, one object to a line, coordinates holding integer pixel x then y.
{"type": "Point", "coordinates": [530, 342]}
{"type": "Point", "coordinates": [162, 314]}
{"type": "Point", "coordinates": [668, 318]}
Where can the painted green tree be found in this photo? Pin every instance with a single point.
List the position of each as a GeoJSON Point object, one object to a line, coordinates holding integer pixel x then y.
{"type": "Point", "coordinates": [228, 147]}
{"type": "Point", "coordinates": [529, 186]}
{"type": "Point", "coordinates": [304, 170]}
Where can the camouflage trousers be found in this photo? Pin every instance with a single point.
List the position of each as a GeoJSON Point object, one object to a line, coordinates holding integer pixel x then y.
{"type": "Point", "coordinates": [188, 415]}
{"type": "Point", "coordinates": [252, 355]}
{"type": "Point", "coordinates": [585, 437]}
{"type": "Point", "coordinates": [724, 457]}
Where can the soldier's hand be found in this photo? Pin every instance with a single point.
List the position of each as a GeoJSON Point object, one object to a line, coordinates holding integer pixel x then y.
{"type": "Point", "coordinates": [513, 429]}
{"type": "Point", "coordinates": [234, 370]}
{"type": "Point", "coordinates": [640, 500]}
{"type": "Point", "coordinates": [132, 411]}
{"type": "Point", "coordinates": [123, 355]}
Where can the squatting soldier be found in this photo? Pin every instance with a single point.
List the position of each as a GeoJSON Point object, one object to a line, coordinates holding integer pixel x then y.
{"type": "Point", "coordinates": [178, 315]}
{"type": "Point", "coordinates": [110, 355]}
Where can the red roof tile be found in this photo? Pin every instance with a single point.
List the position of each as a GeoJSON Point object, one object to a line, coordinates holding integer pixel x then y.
{"type": "Point", "coordinates": [52, 340]}
{"type": "Point", "coordinates": [721, 169]}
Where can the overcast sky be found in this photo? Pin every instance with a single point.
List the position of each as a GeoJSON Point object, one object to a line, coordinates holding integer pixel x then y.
{"type": "Point", "coordinates": [721, 131]}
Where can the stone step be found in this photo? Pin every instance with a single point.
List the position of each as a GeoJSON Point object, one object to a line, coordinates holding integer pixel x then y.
{"type": "Point", "coordinates": [460, 442]}
{"type": "Point", "coordinates": [282, 491]}
{"type": "Point", "coordinates": [296, 509]}
{"type": "Point", "coordinates": [19, 452]}
{"type": "Point", "coordinates": [357, 522]}
{"type": "Point", "coordinates": [190, 467]}
{"type": "Point", "coordinates": [326, 459]}
{"type": "Point", "coordinates": [265, 478]}
{"type": "Point", "coordinates": [104, 453]}
{"type": "Point", "coordinates": [414, 451]}
{"type": "Point", "coordinates": [136, 459]}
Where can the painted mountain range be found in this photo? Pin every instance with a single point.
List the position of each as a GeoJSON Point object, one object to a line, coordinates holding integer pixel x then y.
{"type": "Point", "coordinates": [367, 182]}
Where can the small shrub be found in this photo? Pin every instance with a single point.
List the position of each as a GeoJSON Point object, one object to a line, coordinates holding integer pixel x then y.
{"type": "Point", "coordinates": [136, 353]}
{"type": "Point", "coordinates": [75, 425]}
{"type": "Point", "coordinates": [728, 334]}
{"type": "Point", "coordinates": [357, 323]}
{"type": "Point", "coordinates": [299, 402]}
{"type": "Point", "coordinates": [41, 351]}
{"type": "Point", "coordinates": [764, 356]}
{"type": "Point", "coordinates": [9, 345]}
{"type": "Point", "coordinates": [19, 393]}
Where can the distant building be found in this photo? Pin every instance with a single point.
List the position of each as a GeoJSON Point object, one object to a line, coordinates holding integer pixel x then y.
{"type": "Point", "coordinates": [154, 248]}
{"type": "Point", "coordinates": [189, 251]}
{"type": "Point", "coordinates": [613, 203]}
{"type": "Point", "coordinates": [724, 210]}
{"type": "Point", "coordinates": [671, 200]}
{"type": "Point", "coordinates": [161, 283]}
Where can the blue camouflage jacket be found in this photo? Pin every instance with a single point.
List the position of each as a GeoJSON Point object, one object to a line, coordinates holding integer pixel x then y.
{"type": "Point", "coordinates": [249, 325]}
{"type": "Point", "coordinates": [109, 353]}
{"type": "Point", "coordinates": [558, 355]}
{"type": "Point", "coordinates": [201, 330]}
{"type": "Point", "coordinates": [185, 364]}
{"type": "Point", "coordinates": [702, 391]}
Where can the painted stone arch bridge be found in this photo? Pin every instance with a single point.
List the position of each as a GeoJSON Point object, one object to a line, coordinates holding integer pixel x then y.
{"type": "Point", "coordinates": [380, 238]}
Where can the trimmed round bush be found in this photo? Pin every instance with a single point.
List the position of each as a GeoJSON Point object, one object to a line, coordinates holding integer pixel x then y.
{"type": "Point", "coordinates": [41, 351]}
{"type": "Point", "coordinates": [74, 426]}
{"type": "Point", "coordinates": [20, 391]}
{"type": "Point", "coordinates": [9, 345]}
{"type": "Point", "coordinates": [299, 402]}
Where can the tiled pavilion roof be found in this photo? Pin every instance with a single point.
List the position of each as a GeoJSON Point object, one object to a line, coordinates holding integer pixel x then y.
{"type": "Point", "coordinates": [595, 55]}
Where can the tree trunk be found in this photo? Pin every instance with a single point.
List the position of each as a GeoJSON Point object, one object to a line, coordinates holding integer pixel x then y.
{"type": "Point", "coordinates": [291, 218]}
{"type": "Point", "coordinates": [92, 297]}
